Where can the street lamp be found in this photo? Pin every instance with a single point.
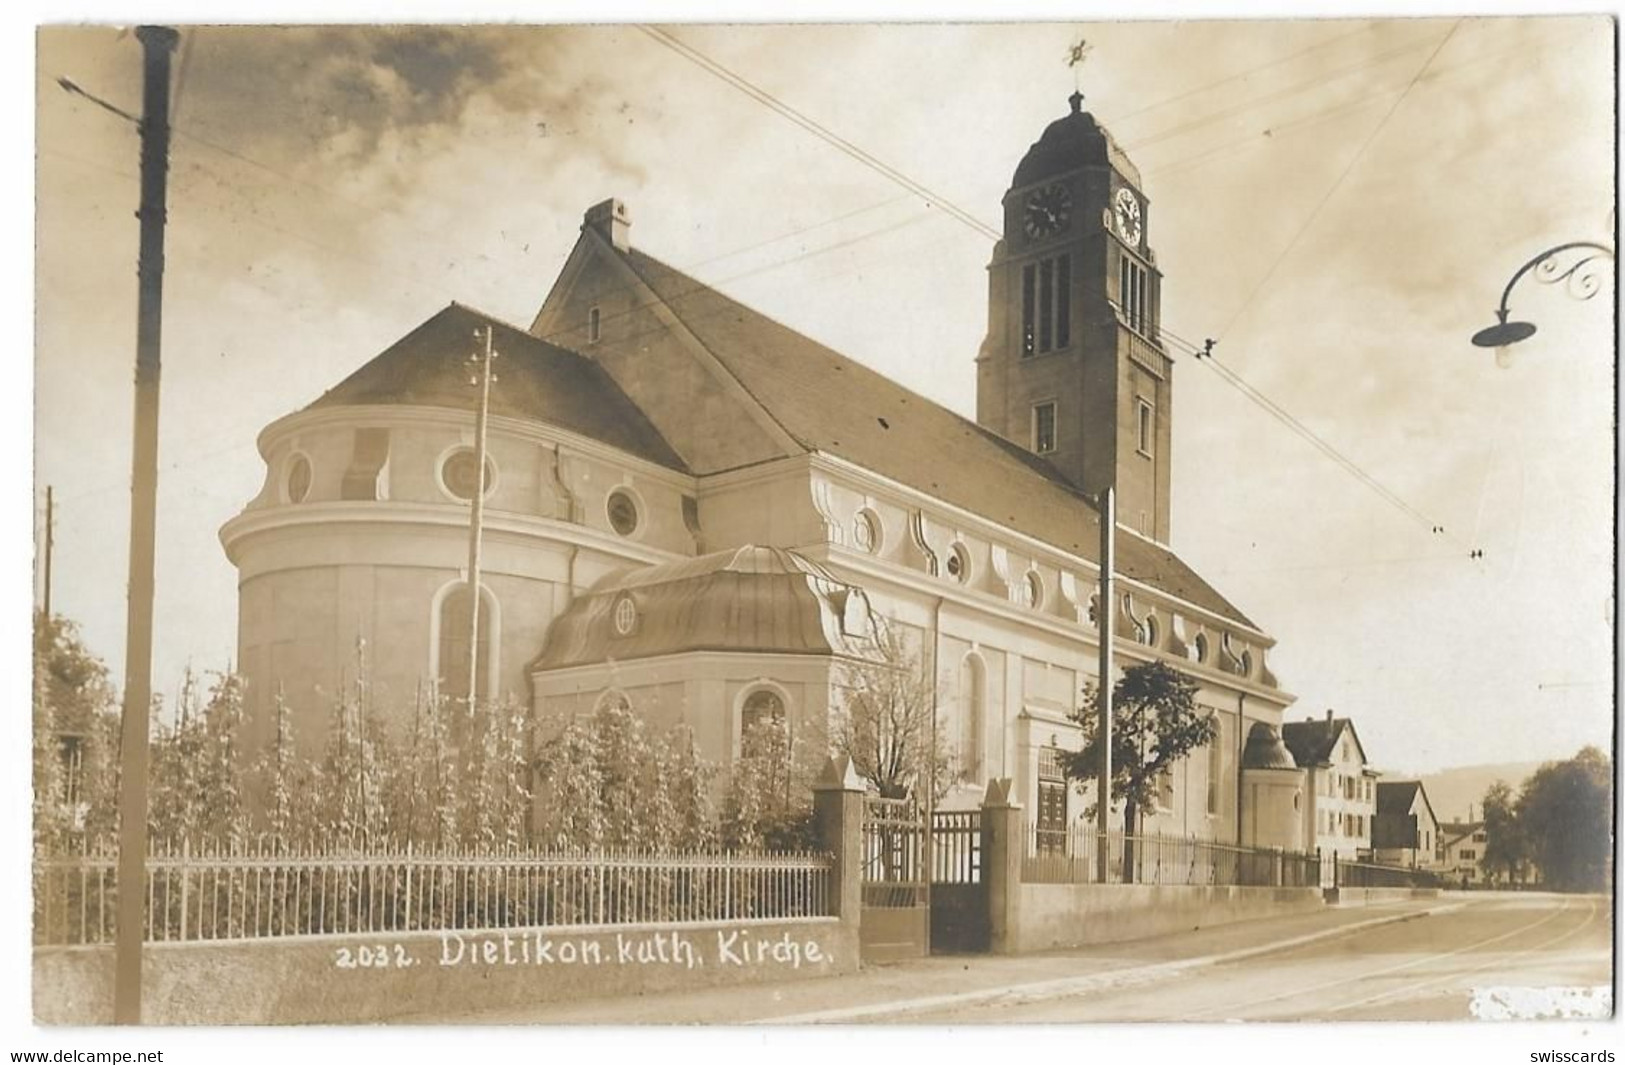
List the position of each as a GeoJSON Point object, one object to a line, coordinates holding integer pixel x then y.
{"type": "Point", "coordinates": [1574, 264]}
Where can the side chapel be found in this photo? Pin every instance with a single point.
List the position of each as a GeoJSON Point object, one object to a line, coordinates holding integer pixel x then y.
{"type": "Point", "coordinates": [697, 510]}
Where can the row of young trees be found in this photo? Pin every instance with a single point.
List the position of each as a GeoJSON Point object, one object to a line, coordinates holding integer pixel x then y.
{"type": "Point", "coordinates": [1558, 826]}
{"type": "Point", "coordinates": [452, 780]}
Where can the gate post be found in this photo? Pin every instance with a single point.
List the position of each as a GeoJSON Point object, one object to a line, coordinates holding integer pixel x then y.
{"type": "Point", "coordinates": [1002, 851]}
{"type": "Point", "coordinates": [838, 813]}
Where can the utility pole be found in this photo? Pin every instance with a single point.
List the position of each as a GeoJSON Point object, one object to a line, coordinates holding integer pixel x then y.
{"type": "Point", "coordinates": [477, 515]}
{"type": "Point", "coordinates": [157, 42]}
{"type": "Point", "coordinates": [1107, 507]}
{"type": "Point", "coordinates": [50, 543]}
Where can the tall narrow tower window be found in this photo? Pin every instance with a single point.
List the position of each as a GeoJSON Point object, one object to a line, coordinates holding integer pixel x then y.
{"type": "Point", "coordinates": [1046, 305]}
{"type": "Point", "coordinates": [1135, 297]}
{"type": "Point", "coordinates": [594, 325]}
{"type": "Point", "coordinates": [1029, 306]}
{"type": "Point", "coordinates": [1044, 428]}
{"type": "Point", "coordinates": [1147, 433]}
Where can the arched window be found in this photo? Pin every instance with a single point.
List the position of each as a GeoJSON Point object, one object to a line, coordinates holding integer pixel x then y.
{"type": "Point", "coordinates": [613, 699]}
{"type": "Point", "coordinates": [452, 645]}
{"type": "Point", "coordinates": [973, 696]}
{"type": "Point", "coordinates": [762, 706]}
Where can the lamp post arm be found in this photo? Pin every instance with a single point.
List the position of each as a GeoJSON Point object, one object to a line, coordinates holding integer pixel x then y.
{"type": "Point", "coordinates": [1546, 256]}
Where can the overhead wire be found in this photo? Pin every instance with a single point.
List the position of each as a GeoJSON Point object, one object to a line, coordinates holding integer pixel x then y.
{"type": "Point", "coordinates": [931, 199]}
{"type": "Point", "coordinates": [1348, 168]}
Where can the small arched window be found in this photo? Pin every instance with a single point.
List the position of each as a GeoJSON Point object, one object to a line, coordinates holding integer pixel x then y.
{"type": "Point", "coordinates": [973, 692]}
{"type": "Point", "coordinates": [764, 706]}
{"type": "Point", "coordinates": [455, 623]}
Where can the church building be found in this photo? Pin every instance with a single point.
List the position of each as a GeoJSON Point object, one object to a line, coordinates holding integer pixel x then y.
{"type": "Point", "coordinates": [696, 510]}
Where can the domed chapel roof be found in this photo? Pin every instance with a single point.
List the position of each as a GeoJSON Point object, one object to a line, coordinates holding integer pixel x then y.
{"type": "Point", "coordinates": [1265, 750]}
{"type": "Point", "coordinates": [750, 599]}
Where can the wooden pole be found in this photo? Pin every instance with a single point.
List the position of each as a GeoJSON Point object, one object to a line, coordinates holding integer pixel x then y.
{"type": "Point", "coordinates": [1104, 614]}
{"type": "Point", "coordinates": [157, 42]}
{"type": "Point", "coordinates": [476, 519]}
{"type": "Point", "coordinates": [50, 544]}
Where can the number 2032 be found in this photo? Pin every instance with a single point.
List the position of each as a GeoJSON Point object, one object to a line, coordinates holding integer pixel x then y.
{"type": "Point", "coordinates": [379, 957]}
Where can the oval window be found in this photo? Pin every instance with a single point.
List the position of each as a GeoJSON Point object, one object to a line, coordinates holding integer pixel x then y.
{"type": "Point", "coordinates": [959, 563]}
{"type": "Point", "coordinates": [623, 513]}
{"type": "Point", "coordinates": [1032, 590]}
{"type": "Point", "coordinates": [299, 477]}
{"type": "Point", "coordinates": [626, 616]}
{"type": "Point", "coordinates": [1199, 647]}
{"type": "Point", "coordinates": [457, 474]}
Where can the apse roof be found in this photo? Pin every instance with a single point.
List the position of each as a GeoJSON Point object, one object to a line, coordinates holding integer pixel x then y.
{"type": "Point", "coordinates": [536, 381]}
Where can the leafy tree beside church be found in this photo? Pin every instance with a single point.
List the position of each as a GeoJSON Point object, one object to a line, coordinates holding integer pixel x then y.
{"type": "Point", "coordinates": [1155, 724]}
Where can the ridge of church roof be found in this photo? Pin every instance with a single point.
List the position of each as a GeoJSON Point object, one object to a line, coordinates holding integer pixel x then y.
{"type": "Point", "coordinates": [831, 403]}
{"type": "Point", "coordinates": [536, 381]}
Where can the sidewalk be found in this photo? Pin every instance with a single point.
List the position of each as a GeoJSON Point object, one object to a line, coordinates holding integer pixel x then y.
{"type": "Point", "coordinates": [889, 992]}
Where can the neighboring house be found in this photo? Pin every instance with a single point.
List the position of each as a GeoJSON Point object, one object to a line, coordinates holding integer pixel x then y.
{"type": "Point", "coordinates": [1406, 832]}
{"type": "Point", "coordinates": [1342, 788]}
{"type": "Point", "coordinates": [693, 509]}
{"type": "Point", "coordinates": [1460, 852]}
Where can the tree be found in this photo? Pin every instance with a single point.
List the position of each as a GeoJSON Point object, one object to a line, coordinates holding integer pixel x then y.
{"type": "Point", "coordinates": [75, 713]}
{"type": "Point", "coordinates": [890, 727]}
{"type": "Point", "coordinates": [1154, 724]}
{"type": "Point", "coordinates": [1566, 814]}
{"type": "Point", "coordinates": [769, 798]}
{"type": "Point", "coordinates": [1506, 852]}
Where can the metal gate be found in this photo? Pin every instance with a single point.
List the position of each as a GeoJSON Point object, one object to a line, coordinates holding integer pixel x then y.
{"type": "Point", "coordinates": [959, 919]}
{"type": "Point", "coordinates": [896, 890]}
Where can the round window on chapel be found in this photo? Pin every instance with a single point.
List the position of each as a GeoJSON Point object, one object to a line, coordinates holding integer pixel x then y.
{"type": "Point", "coordinates": [958, 563]}
{"type": "Point", "coordinates": [458, 473]}
{"type": "Point", "coordinates": [623, 513]}
{"type": "Point", "coordinates": [298, 483]}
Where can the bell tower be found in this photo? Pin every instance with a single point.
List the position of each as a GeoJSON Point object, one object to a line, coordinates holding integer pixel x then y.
{"type": "Point", "coordinates": [1073, 367]}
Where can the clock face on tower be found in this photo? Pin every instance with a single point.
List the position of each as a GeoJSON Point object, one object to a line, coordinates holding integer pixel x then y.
{"type": "Point", "coordinates": [1048, 212]}
{"type": "Point", "coordinates": [1128, 216]}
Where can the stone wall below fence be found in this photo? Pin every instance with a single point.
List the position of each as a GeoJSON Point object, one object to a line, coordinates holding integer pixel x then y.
{"type": "Point", "coordinates": [1052, 916]}
{"type": "Point", "coordinates": [361, 979]}
{"type": "Point", "coordinates": [1376, 896]}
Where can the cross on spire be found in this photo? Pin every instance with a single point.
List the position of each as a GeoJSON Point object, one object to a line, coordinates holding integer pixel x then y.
{"type": "Point", "coordinates": [1075, 56]}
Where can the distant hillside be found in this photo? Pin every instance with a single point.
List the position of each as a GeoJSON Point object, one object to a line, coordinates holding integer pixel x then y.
{"type": "Point", "coordinates": [1452, 790]}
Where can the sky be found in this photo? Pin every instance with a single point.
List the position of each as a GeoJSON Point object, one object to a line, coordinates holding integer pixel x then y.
{"type": "Point", "coordinates": [1337, 202]}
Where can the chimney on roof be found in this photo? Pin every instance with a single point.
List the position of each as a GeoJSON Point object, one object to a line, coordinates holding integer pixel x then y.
{"type": "Point", "coordinates": [611, 221]}
{"type": "Point", "coordinates": [1328, 715]}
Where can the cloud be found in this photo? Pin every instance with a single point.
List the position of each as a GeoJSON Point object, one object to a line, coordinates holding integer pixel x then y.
{"type": "Point", "coordinates": [338, 97]}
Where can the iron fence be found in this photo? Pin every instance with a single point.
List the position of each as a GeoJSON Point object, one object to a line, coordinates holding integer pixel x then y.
{"type": "Point", "coordinates": [1071, 856]}
{"type": "Point", "coordinates": [894, 873]}
{"type": "Point", "coordinates": [956, 847]}
{"type": "Point", "coordinates": [1373, 875]}
{"type": "Point", "coordinates": [253, 891]}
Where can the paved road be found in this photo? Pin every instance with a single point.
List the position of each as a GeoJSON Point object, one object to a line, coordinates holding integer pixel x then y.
{"type": "Point", "coordinates": [1426, 969]}
{"type": "Point", "coordinates": [1412, 960]}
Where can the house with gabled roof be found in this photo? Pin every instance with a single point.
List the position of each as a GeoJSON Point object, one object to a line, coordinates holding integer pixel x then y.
{"type": "Point", "coordinates": [1459, 854]}
{"type": "Point", "coordinates": [1406, 831]}
{"type": "Point", "coordinates": [1341, 785]}
{"type": "Point", "coordinates": [692, 508]}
